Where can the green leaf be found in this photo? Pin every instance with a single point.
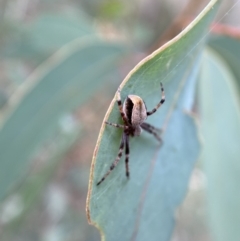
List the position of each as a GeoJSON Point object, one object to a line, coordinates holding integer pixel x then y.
{"type": "Point", "coordinates": [46, 34]}
{"type": "Point", "coordinates": [63, 82]}
{"type": "Point", "coordinates": [229, 49]}
{"type": "Point", "coordinates": [31, 189]}
{"type": "Point", "coordinates": [220, 115]}
{"type": "Point", "coordinates": [51, 31]}
{"type": "Point", "coordinates": [143, 208]}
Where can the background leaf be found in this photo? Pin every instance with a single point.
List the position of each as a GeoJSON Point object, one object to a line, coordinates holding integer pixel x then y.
{"type": "Point", "coordinates": [143, 208]}
{"type": "Point", "coordinates": [51, 31]}
{"type": "Point", "coordinates": [65, 81]}
{"type": "Point", "coordinates": [44, 35]}
{"type": "Point", "coordinates": [229, 49]}
{"type": "Point", "coordinates": [219, 108]}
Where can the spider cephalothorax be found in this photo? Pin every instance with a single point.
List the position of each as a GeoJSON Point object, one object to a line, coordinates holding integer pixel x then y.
{"type": "Point", "coordinates": [134, 113]}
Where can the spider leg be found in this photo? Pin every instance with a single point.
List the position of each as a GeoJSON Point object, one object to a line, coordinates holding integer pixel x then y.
{"type": "Point", "coordinates": [114, 164]}
{"type": "Point", "coordinates": [153, 128]}
{"type": "Point", "coordinates": [115, 125]}
{"type": "Point", "coordinates": [160, 103]}
{"type": "Point", "coordinates": [119, 101]}
{"type": "Point", "coordinates": [127, 151]}
{"type": "Point", "coordinates": [152, 131]}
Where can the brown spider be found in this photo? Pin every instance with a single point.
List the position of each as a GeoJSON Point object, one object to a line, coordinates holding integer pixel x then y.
{"type": "Point", "coordinates": [133, 112]}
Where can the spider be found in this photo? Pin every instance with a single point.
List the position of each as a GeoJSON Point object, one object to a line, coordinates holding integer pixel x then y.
{"type": "Point", "coordinates": [134, 113]}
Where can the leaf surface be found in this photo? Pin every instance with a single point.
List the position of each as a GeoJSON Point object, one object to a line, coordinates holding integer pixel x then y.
{"type": "Point", "coordinates": [59, 30]}
{"type": "Point", "coordinates": [62, 83]}
{"type": "Point", "coordinates": [143, 208]}
{"type": "Point", "coordinates": [45, 35]}
{"type": "Point", "coordinates": [219, 107]}
{"type": "Point", "coordinates": [229, 49]}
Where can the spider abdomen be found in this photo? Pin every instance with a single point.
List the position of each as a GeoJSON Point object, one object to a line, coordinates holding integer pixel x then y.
{"type": "Point", "coordinates": [135, 110]}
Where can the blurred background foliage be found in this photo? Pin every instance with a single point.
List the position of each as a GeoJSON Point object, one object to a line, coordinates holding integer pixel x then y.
{"type": "Point", "coordinates": [60, 64]}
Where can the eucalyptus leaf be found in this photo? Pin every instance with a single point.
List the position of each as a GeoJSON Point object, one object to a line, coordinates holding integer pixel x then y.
{"type": "Point", "coordinates": [62, 83]}
{"type": "Point", "coordinates": [47, 33]}
{"type": "Point", "coordinates": [229, 49]}
{"type": "Point", "coordinates": [220, 116]}
{"type": "Point", "coordinates": [143, 207]}
{"type": "Point", "coordinates": [32, 187]}
{"type": "Point", "coordinates": [51, 31]}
